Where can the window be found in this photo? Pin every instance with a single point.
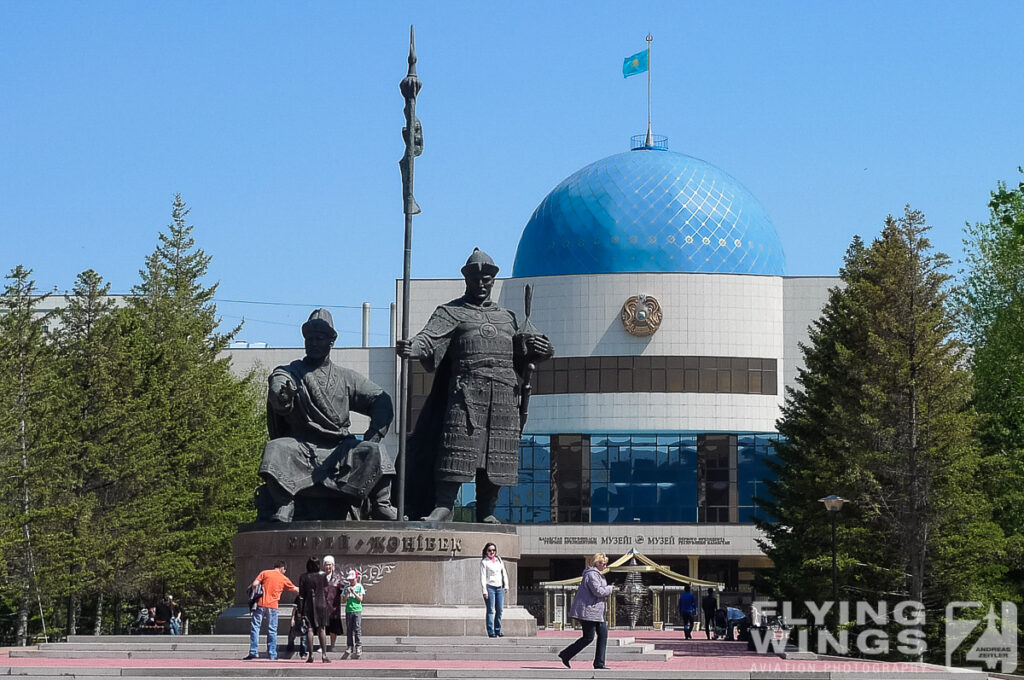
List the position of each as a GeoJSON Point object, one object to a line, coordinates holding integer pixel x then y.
{"type": "Point", "coordinates": [717, 499]}
{"type": "Point", "coordinates": [616, 477]}
{"type": "Point", "coordinates": [570, 478]}
{"type": "Point", "coordinates": [651, 374]}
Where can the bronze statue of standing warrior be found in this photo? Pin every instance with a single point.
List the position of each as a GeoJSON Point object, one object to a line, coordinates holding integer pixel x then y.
{"type": "Point", "coordinates": [470, 425]}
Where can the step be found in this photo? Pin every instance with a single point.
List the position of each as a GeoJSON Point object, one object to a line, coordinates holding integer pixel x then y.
{"type": "Point", "coordinates": [430, 654]}
{"type": "Point", "coordinates": [336, 671]}
{"type": "Point", "coordinates": [367, 639]}
{"type": "Point", "coordinates": [456, 646]}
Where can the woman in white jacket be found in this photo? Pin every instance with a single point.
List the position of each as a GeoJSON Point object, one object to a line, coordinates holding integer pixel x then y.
{"type": "Point", "coordinates": [494, 581]}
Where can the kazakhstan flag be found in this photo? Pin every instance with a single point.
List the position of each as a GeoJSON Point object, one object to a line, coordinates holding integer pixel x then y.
{"type": "Point", "coordinates": [635, 64]}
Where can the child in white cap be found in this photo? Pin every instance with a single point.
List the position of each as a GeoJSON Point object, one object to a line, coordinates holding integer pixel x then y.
{"type": "Point", "coordinates": [354, 615]}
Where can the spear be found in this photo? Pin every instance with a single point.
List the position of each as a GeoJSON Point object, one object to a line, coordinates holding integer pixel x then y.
{"type": "Point", "coordinates": [413, 135]}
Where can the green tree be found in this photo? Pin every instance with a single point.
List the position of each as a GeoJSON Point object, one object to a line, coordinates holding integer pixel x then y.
{"type": "Point", "coordinates": [208, 423]}
{"type": "Point", "coordinates": [991, 311]}
{"type": "Point", "coordinates": [881, 416]}
{"type": "Point", "coordinates": [108, 454]}
{"type": "Point", "coordinates": [26, 461]}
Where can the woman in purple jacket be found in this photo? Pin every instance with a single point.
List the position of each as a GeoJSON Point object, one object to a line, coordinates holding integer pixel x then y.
{"type": "Point", "coordinates": [588, 607]}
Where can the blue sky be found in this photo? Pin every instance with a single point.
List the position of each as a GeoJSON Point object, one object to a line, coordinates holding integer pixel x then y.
{"type": "Point", "coordinates": [280, 124]}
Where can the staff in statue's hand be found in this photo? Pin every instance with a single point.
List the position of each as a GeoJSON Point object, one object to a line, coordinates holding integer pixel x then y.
{"type": "Point", "coordinates": [537, 346]}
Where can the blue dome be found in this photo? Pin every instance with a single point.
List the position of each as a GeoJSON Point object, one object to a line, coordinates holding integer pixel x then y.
{"type": "Point", "coordinates": [649, 210]}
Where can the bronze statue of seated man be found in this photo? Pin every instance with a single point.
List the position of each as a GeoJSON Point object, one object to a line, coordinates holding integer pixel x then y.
{"type": "Point", "coordinates": [312, 455]}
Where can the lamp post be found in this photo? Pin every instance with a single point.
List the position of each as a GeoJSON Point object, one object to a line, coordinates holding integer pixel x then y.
{"type": "Point", "coordinates": [834, 504]}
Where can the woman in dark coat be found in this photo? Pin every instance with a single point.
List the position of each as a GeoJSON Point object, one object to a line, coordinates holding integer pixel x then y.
{"type": "Point", "coordinates": [313, 591]}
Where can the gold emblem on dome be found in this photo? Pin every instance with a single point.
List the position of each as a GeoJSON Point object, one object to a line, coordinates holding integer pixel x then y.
{"type": "Point", "coordinates": [641, 315]}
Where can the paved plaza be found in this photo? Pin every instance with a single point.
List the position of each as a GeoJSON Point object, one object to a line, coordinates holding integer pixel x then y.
{"type": "Point", "coordinates": [632, 654]}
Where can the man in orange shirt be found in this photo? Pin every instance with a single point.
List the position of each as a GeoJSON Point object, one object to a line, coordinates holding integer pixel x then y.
{"type": "Point", "coordinates": [274, 582]}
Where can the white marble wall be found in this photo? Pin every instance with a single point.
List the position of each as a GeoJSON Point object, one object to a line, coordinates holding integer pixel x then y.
{"type": "Point", "coordinates": [704, 315]}
{"type": "Point", "coordinates": [805, 296]}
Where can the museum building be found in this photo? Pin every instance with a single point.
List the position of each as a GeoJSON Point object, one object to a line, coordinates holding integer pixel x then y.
{"type": "Point", "coordinates": [661, 282]}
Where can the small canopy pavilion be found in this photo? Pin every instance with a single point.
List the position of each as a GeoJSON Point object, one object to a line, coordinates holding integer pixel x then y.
{"type": "Point", "coordinates": [631, 599]}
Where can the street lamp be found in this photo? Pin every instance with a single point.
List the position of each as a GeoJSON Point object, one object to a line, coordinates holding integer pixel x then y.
{"type": "Point", "coordinates": [834, 504]}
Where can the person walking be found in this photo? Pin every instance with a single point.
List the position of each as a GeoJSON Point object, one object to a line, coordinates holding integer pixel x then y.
{"type": "Point", "coordinates": [313, 591]}
{"type": "Point", "coordinates": [494, 581]}
{"type": "Point", "coordinates": [354, 593]}
{"type": "Point", "coordinates": [588, 607]}
{"type": "Point", "coordinates": [709, 604]}
{"type": "Point", "coordinates": [274, 582]}
{"type": "Point", "coordinates": [175, 616]}
{"type": "Point", "coordinates": [687, 610]}
{"type": "Point", "coordinates": [335, 586]}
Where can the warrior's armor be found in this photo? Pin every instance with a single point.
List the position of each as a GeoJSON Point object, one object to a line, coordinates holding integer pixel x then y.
{"type": "Point", "coordinates": [481, 417]}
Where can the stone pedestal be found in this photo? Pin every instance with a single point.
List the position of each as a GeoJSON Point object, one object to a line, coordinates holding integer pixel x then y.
{"type": "Point", "coordinates": [421, 578]}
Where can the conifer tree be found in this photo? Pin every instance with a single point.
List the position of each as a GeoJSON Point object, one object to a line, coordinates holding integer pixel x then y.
{"type": "Point", "coordinates": [207, 422]}
{"type": "Point", "coordinates": [108, 453]}
{"type": "Point", "coordinates": [26, 386]}
{"type": "Point", "coordinates": [882, 417]}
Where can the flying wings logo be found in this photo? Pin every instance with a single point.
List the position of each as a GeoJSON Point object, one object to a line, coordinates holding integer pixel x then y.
{"type": "Point", "coordinates": [997, 644]}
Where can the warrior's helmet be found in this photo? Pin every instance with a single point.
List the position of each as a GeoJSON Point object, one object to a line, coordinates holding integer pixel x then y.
{"type": "Point", "coordinates": [320, 320]}
{"type": "Point", "coordinates": [480, 261]}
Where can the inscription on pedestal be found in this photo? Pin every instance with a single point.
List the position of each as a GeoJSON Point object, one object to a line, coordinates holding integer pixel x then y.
{"type": "Point", "coordinates": [379, 544]}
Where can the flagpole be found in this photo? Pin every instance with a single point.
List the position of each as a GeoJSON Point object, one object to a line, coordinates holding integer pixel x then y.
{"type": "Point", "coordinates": [649, 142]}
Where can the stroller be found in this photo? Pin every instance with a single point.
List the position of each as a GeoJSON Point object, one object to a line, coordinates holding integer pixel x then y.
{"type": "Point", "coordinates": [720, 624]}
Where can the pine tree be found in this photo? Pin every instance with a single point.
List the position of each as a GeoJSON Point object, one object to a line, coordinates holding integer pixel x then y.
{"type": "Point", "coordinates": [26, 464]}
{"type": "Point", "coordinates": [107, 453]}
{"type": "Point", "coordinates": [208, 423]}
{"type": "Point", "coordinates": [882, 416]}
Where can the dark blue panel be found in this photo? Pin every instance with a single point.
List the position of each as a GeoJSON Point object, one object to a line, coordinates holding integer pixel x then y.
{"type": "Point", "coordinates": [542, 495]}
{"type": "Point", "coordinates": [621, 473]}
{"type": "Point", "coordinates": [526, 456]}
{"type": "Point", "coordinates": [645, 464]}
{"type": "Point", "coordinates": [541, 458]}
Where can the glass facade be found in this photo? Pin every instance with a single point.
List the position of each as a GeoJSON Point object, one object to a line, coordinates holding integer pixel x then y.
{"type": "Point", "coordinates": [625, 477]}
